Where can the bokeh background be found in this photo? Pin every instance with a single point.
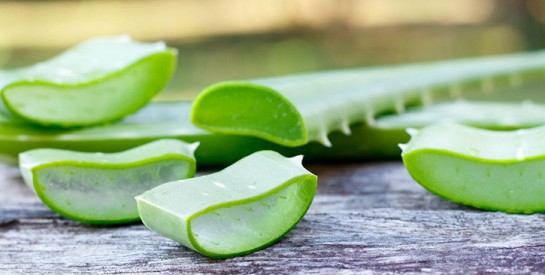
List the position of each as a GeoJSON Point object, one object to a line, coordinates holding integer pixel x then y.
{"type": "Point", "coordinates": [240, 39]}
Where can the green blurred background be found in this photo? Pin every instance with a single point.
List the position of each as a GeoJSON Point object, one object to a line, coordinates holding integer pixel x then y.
{"type": "Point", "coordinates": [239, 39]}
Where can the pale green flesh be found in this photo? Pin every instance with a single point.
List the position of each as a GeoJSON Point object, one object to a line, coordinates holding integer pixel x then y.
{"type": "Point", "coordinates": [103, 195]}
{"type": "Point", "coordinates": [98, 81]}
{"type": "Point", "coordinates": [492, 170]}
{"type": "Point", "coordinates": [245, 207]}
{"type": "Point", "coordinates": [221, 230]}
{"type": "Point", "coordinates": [319, 103]}
{"type": "Point", "coordinates": [100, 188]}
{"type": "Point", "coordinates": [171, 120]}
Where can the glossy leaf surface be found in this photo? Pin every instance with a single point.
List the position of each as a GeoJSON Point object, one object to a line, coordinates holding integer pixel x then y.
{"type": "Point", "coordinates": [297, 109]}
{"type": "Point", "coordinates": [97, 81]}
{"type": "Point", "coordinates": [243, 208]}
{"type": "Point", "coordinates": [99, 188]}
{"type": "Point", "coordinates": [494, 170]}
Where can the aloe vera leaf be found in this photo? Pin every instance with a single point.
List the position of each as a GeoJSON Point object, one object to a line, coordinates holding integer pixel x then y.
{"type": "Point", "coordinates": [99, 188]}
{"type": "Point", "coordinates": [171, 120]}
{"type": "Point", "coordinates": [481, 114]}
{"type": "Point", "coordinates": [243, 208]}
{"type": "Point", "coordinates": [155, 121]}
{"type": "Point", "coordinates": [97, 81]}
{"type": "Point", "coordinates": [493, 170]}
{"type": "Point", "coordinates": [379, 141]}
{"type": "Point", "coordinates": [294, 110]}
{"type": "Point", "coordinates": [163, 120]}
{"type": "Point", "coordinates": [390, 129]}
{"type": "Point", "coordinates": [523, 91]}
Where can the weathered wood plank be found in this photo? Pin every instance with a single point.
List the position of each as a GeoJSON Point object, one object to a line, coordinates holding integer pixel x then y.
{"type": "Point", "coordinates": [366, 217]}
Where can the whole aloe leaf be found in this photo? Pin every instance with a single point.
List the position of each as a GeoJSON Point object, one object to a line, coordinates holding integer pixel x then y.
{"type": "Point", "coordinates": [171, 120]}
{"type": "Point", "coordinates": [295, 110]}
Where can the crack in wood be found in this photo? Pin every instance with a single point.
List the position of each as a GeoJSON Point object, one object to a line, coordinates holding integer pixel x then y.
{"type": "Point", "coordinates": [7, 222]}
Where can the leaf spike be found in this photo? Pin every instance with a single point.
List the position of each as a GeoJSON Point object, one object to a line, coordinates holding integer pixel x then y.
{"type": "Point", "coordinates": [324, 140]}
{"type": "Point", "coordinates": [298, 160]}
{"type": "Point", "coordinates": [193, 146]}
{"type": "Point", "coordinates": [411, 131]}
{"type": "Point", "coordinates": [345, 127]}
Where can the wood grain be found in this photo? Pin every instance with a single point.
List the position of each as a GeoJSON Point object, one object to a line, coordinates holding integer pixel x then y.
{"type": "Point", "coordinates": [365, 217]}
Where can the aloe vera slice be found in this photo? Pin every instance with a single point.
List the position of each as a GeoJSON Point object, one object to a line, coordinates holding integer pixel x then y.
{"type": "Point", "coordinates": [97, 81]}
{"type": "Point", "coordinates": [243, 208]}
{"type": "Point", "coordinates": [492, 170]}
{"type": "Point", "coordinates": [99, 188]}
{"type": "Point", "coordinates": [294, 110]}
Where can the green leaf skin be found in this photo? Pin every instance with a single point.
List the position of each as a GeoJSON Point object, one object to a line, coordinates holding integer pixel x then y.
{"type": "Point", "coordinates": [155, 121]}
{"type": "Point", "coordinates": [241, 209]}
{"type": "Point", "coordinates": [99, 188]}
{"type": "Point", "coordinates": [480, 114]}
{"type": "Point", "coordinates": [493, 170]}
{"type": "Point", "coordinates": [390, 129]}
{"type": "Point", "coordinates": [295, 110]}
{"type": "Point", "coordinates": [97, 81]}
{"type": "Point", "coordinates": [171, 120]}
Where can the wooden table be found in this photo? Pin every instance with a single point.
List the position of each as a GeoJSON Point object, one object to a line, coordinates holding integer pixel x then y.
{"type": "Point", "coordinates": [366, 217]}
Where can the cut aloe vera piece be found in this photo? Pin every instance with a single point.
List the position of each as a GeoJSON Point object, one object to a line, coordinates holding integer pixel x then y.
{"type": "Point", "coordinates": [492, 170]}
{"type": "Point", "coordinates": [97, 81]}
{"type": "Point", "coordinates": [295, 110]}
{"type": "Point", "coordinates": [99, 188]}
{"type": "Point", "coordinates": [243, 208]}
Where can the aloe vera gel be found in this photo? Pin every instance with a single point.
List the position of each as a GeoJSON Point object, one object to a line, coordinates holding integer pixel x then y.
{"type": "Point", "coordinates": [243, 208]}
{"type": "Point", "coordinates": [99, 188]}
{"type": "Point", "coordinates": [97, 81]}
{"type": "Point", "coordinates": [501, 171]}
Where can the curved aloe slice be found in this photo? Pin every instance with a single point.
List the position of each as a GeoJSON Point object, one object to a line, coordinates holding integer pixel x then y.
{"type": "Point", "coordinates": [99, 188]}
{"type": "Point", "coordinates": [97, 81]}
{"type": "Point", "coordinates": [485, 169]}
{"type": "Point", "coordinates": [295, 110]}
{"type": "Point", "coordinates": [243, 208]}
